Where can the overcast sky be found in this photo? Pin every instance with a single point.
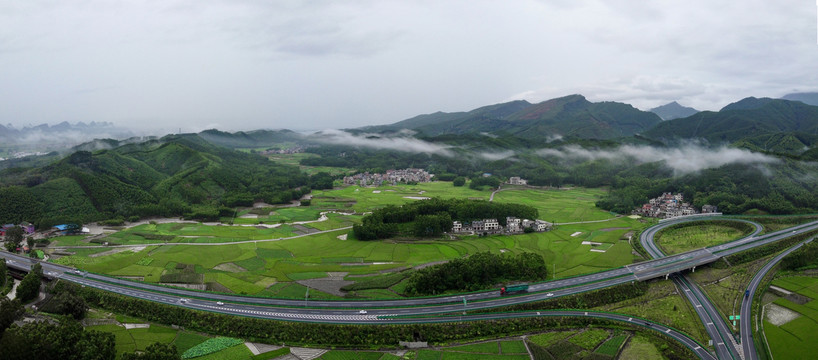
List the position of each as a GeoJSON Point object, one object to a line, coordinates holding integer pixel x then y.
{"type": "Point", "coordinates": [241, 65]}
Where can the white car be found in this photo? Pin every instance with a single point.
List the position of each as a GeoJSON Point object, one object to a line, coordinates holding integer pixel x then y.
{"type": "Point", "coordinates": [549, 294]}
{"type": "Point", "coordinates": [220, 303]}
{"type": "Point", "coordinates": [183, 301]}
{"type": "Point", "coordinates": [362, 312]}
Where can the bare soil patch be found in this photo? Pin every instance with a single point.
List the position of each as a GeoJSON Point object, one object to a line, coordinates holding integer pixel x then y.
{"type": "Point", "coordinates": [230, 267]}
{"type": "Point", "coordinates": [327, 285]}
{"type": "Point", "coordinates": [779, 315]}
{"type": "Point", "coordinates": [614, 228]}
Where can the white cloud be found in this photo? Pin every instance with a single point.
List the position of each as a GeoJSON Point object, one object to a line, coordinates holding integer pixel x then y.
{"type": "Point", "coordinates": [682, 160]}
{"type": "Point", "coordinates": [375, 141]}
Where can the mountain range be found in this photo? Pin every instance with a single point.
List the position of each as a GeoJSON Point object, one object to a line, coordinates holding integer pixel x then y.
{"type": "Point", "coordinates": [673, 110]}
{"type": "Point", "coordinates": [569, 116]}
{"type": "Point", "coordinates": [761, 124]}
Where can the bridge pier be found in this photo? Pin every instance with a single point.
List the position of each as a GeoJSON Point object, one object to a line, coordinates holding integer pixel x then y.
{"type": "Point", "coordinates": [694, 269]}
{"type": "Point", "coordinates": [667, 276]}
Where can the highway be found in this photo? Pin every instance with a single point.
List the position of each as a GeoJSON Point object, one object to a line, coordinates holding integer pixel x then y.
{"type": "Point", "coordinates": [746, 320]}
{"type": "Point", "coordinates": [388, 311]}
{"type": "Point", "coordinates": [714, 323]}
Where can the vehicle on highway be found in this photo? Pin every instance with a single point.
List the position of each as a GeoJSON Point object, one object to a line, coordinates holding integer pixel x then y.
{"type": "Point", "coordinates": [505, 290]}
{"type": "Point", "coordinates": [549, 294]}
{"type": "Point", "coordinates": [746, 293]}
{"type": "Point", "coordinates": [184, 301]}
{"type": "Point", "coordinates": [362, 312]}
{"type": "Point", "coordinates": [220, 303]}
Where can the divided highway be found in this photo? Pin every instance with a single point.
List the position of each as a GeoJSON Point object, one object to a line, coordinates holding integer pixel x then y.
{"type": "Point", "coordinates": [746, 313]}
{"type": "Point", "coordinates": [398, 311]}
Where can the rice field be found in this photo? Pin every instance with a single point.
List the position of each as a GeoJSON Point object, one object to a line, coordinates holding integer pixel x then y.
{"type": "Point", "coordinates": [795, 339]}
{"type": "Point", "coordinates": [271, 268]}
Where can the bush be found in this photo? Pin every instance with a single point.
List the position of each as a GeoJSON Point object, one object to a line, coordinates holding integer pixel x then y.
{"type": "Point", "coordinates": [459, 181]}
{"type": "Point", "coordinates": [210, 346]}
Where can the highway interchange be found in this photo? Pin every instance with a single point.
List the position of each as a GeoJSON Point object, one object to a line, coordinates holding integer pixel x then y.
{"type": "Point", "coordinates": [401, 311]}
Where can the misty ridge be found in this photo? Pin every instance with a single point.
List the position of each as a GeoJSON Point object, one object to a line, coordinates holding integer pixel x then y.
{"type": "Point", "coordinates": [401, 142]}
{"type": "Point", "coordinates": [684, 159]}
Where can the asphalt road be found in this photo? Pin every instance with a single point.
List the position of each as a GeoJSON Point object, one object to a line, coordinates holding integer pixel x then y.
{"type": "Point", "coordinates": [714, 324]}
{"type": "Point", "coordinates": [746, 320]}
{"type": "Point", "coordinates": [384, 311]}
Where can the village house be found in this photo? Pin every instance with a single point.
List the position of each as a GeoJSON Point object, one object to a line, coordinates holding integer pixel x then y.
{"type": "Point", "coordinates": [492, 226]}
{"type": "Point", "coordinates": [516, 180]}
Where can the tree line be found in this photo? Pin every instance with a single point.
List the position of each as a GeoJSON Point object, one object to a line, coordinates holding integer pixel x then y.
{"type": "Point", "coordinates": [479, 271]}
{"type": "Point", "coordinates": [433, 217]}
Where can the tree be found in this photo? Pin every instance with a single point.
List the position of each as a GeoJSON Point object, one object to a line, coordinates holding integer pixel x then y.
{"type": "Point", "coordinates": [67, 341]}
{"type": "Point", "coordinates": [459, 181]}
{"type": "Point", "coordinates": [3, 273]}
{"type": "Point", "coordinates": [29, 287]}
{"type": "Point", "coordinates": [10, 310]}
{"type": "Point", "coordinates": [155, 351]}
{"type": "Point", "coordinates": [14, 236]}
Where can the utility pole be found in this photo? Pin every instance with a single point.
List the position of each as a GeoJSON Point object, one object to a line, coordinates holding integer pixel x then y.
{"type": "Point", "coordinates": [306, 296]}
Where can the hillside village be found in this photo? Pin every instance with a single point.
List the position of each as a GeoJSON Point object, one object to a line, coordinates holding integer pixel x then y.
{"type": "Point", "coordinates": [671, 205]}
{"type": "Point", "coordinates": [390, 177]}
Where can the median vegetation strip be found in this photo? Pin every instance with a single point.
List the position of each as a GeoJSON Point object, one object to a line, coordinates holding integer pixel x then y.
{"type": "Point", "coordinates": [698, 234]}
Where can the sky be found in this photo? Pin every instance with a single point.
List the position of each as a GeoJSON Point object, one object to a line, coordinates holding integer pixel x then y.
{"type": "Point", "coordinates": [250, 64]}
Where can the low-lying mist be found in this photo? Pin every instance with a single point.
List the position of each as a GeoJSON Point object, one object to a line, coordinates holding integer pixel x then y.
{"type": "Point", "coordinates": [682, 160]}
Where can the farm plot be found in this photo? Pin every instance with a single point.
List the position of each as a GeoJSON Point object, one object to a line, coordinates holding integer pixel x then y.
{"type": "Point", "coordinates": [253, 267]}
{"type": "Point", "coordinates": [559, 205]}
{"type": "Point", "coordinates": [795, 339]}
{"type": "Point", "coordinates": [369, 198]}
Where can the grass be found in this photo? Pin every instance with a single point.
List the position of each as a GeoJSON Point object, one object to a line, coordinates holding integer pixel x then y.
{"type": "Point", "coordinates": [484, 347]}
{"type": "Point", "coordinates": [661, 304]}
{"type": "Point", "coordinates": [639, 348]}
{"type": "Point", "coordinates": [612, 346]}
{"type": "Point", "coordinates": [69, 240]}
{"type": "Point", "coordinates": [680, 239]}
{"type": "Point", "coordinates": [186, 340]}
{"type": "Point", "coordinates": [550, 338]}
{"type": "Point", "coordinates": [725, 287]}
{"type": "Point", "coordinates": [351, 355]}
{"type": "Point", "coordinates": [136, 339]}
{"type": "Point", "coordinates": [513, 347]}
{"type": "Point", "coordinates": [795, 339]}
{"type": "Point", "coordinates": [312, 256]}
{"type": "Point", "coordinates": [590, 339]}
{"type": "Point", "coordinates": [559, 205]}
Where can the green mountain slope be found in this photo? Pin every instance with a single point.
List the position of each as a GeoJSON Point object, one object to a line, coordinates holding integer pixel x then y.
{"type": "Point", "coordinates": [751, 119]}
{"type": "Point", "coordinates": [172, 176]}
{"type": "Point", "coordinates": [673, 110]}
{"type": "Point", "coordinates": [571, 115]}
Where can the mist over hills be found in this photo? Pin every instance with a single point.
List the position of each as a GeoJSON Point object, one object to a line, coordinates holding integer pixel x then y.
{"type": "Point", "coordinates": [809, 98]}
{"type": "Point", "coordinates": [63, 134]}
{"type": "Point", "coordinates": [762, 124]}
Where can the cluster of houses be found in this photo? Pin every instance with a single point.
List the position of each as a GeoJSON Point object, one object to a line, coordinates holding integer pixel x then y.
{"type": "Point", "coordinates": [492, 226]}
{"type": "Point", "coordinates": [28, 228]}
{"type": "Point", "coordinates": [292, 150]}
{"type": "Point", "coordinates": [670, 205]}
{"type": "Point", "coordinates": [391, 177]}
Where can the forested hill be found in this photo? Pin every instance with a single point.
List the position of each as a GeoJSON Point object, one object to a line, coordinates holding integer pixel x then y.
{"type": "Point", "coordinates": [172, 176]}
{"type": "Point", "coordinates": [571, 115]}
{"type": "Point", "coordinates": [765, 124]}
{"type": "Point", "coordinates": [673, 110]}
